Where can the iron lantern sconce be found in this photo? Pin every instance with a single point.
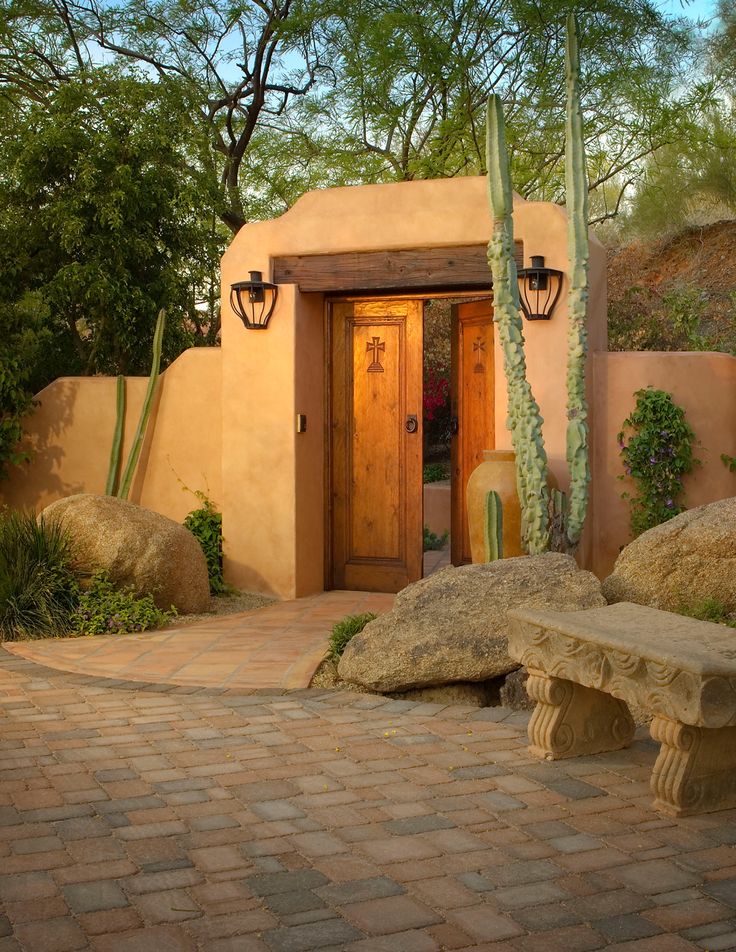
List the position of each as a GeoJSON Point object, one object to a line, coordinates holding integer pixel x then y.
{"type": "Point", "coordinates": [539, 289]}
{"type": "Point", "coordinates": [253, 301]}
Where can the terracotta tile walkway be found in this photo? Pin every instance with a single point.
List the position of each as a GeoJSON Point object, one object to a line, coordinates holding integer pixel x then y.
{"type": "Point", "coordinates": [165, 818]}
{"type": "Point", "coordinates": [279, 646]}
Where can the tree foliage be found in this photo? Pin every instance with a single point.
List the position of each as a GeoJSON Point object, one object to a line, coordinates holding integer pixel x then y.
{"type": "Point", "coordinates": [105, 217]}
{"type": "Point", "coordinates": [238, 64]}
{"type": "Point", "coordinates": [693, 182]}
{"type": "Point", "coordinates": [411, 81]}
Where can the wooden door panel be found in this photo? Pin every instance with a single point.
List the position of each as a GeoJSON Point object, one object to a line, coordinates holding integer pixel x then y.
{"type": "Point", "coordinates": [375, 489]}
{"type": "Point", "coordinates": [473, 406]}
{"type": "Point", "coordinates": [376, 465]}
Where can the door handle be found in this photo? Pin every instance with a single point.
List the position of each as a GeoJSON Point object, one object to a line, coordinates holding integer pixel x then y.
{"type": "Point", "coordinates": [412, 424]}
{"type": "Point", "coordinates": [454, 425]}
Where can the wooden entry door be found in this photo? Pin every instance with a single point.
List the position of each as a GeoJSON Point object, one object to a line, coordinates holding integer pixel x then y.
{"type": "Point", "coordinates": [472, 408]}
{"type": "Point", "coordinates": [376, 444]}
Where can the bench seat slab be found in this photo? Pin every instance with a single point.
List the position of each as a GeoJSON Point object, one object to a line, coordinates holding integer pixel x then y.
{"type": "Point", "coordinates": [695, 771]}
{"type": "Point", "coordinates": [672, 666]}
{"type": "Point", "coordinates": [571, 720]}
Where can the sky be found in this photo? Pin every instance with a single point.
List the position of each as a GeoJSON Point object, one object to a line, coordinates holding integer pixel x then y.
{"type": "Point", "coordinates": [694, 9]}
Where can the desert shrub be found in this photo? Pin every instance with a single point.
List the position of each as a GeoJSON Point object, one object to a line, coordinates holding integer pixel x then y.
{"type": "Point", "coordinates": [709, 609]}
{"type": "Point", "coordinates": [434, 542]}
{"type": "Point", "coordinates": [104, 609]}
{"type": "Point", "coordinates": [346, 629]}
{"type": "Point", "coordinates": [656, 450]}
{"type": "Point", "coordinates": [435, 472]}
{"type": "Point", "coordinates": [38, 587]}
{"type": "Point", "coordinates": [205, 524]}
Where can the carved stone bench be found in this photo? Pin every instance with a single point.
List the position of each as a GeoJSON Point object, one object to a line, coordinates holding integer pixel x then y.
{"type": "Point", "coordinates": [586, 667]}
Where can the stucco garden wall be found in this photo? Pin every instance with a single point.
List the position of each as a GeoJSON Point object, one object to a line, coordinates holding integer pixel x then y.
{"type": "Point", "coordinates": [704, 384]}
{"type": "Point", "coordinates": [70, 434]}
{"type": "Point", "coordinates": [225, 419]}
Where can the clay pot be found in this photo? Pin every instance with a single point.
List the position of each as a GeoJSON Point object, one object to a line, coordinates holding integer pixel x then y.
{"type": "Point", "coordinates": [496, 472]}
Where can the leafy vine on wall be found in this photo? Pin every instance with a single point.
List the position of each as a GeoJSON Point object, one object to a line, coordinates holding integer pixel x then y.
{"type": "Point", "coordinates": [656, 445]}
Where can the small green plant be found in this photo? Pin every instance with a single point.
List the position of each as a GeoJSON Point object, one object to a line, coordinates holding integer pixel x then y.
{"type": "Point", "coordinates": [434, 542]}
{"type": "Point", "coordinates": [205, 524]}
{"type": "Point", "coordinates": [709, 609]}
{"type": "Point", "coordinates": [346, 629]}
{"type": "Point", "coordinates": [104, 609]}
{"type": "Point", "coordinates": [729, 462]}
{"type": "Point", "coordinates": [38, 587]}
{"type": "Point", "coordinates": [656, 448]}
{"type": "Point", "coordinates": [435, 472]}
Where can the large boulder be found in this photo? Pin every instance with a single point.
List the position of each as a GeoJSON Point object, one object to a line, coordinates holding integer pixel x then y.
{"type": "Point", "coordinates": [452, 625]}
{"type": "Point", "coordinates": [680, 563]}
{"type": "Point", "coordinates": [137, 547]}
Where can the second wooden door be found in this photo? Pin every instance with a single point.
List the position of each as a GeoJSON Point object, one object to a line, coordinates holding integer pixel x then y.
{"type": "Point", "coordinates": [472, 409]}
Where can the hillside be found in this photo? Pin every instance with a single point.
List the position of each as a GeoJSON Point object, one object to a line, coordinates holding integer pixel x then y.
{"type": "Point", "coordinates": [677, 294]}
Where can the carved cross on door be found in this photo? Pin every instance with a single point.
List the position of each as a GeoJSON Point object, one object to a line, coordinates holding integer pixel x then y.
{"type": "Point", "coordinates": [377, 346]}
{"type": "Point", "coordinates": [479, 349]}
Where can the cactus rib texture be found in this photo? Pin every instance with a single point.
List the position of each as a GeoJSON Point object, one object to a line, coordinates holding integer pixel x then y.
{"type": "Point", "coordinates": [117, 439]}
{"type": "Point", "coordinates": [493, 527]}
{"type": "Point", "coordinates": [135, 449]}
{"type": "Point", "coordinates": [524, 419]}
{"type": "Point", "coordinates": [576, 186]}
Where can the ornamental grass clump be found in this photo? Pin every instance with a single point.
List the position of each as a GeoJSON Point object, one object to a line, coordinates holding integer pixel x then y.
{"type": "Point", "coordinates": [656, 449]}
{"type": "Point", "coordinates": [346, 629]}
{"type": "Point", "coordinates": [38, 587]}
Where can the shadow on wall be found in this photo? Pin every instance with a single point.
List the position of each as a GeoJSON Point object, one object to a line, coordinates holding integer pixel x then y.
{"type": "Point", "coordinates": [46, 445]}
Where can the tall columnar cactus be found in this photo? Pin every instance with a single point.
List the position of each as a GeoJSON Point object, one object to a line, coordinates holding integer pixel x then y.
{"type": "Point", "coordinates": [524, 419]}
{"type": "Point", "coordinates": [135, 449]}
{"type": "Point", "coordinates": [576, 185]}
{"type": "Point", "coordinates": [117, 439]}
{"type": "Point", "coordinates": [492, 527]}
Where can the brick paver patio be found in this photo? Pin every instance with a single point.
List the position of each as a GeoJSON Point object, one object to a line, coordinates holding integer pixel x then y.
{"type": "Point", "coordinates": [157, 818]}
{"type": "Point", "coordinates": [279, 646]}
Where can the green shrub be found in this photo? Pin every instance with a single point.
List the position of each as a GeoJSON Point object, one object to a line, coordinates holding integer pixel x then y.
{"type": "Point", "coordinates": [104, 609]}
{"type": "Point", "coordinates": [346, 629]}
{"type": "Point", "coordinates": [709, 609]}
{"type": "Point", "coordinates": [205, 524]}
{"type": "Point", "coordinates": [38, 588]}
{"type": "Point", "coordinates": [434, 542]}
{"type": "Point", "coordinates": [435, 472]}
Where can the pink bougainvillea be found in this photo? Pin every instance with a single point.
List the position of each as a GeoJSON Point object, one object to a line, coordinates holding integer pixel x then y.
{"type": "Point", "coordinates": [436, 394]}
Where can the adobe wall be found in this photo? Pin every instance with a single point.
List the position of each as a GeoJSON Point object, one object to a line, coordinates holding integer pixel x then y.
{"type": "Point", "coordinates": [704, 384]}
{"type": "Point", "coordinates": [70, 434]}
{"type": "Point", "coordinates": [274, 535]}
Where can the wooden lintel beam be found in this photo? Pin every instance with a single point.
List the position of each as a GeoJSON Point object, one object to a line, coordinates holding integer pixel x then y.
{"type": "Point", "coordinates": [418, 269]}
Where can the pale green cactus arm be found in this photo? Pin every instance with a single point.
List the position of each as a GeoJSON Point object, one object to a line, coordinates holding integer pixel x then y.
{"type": "Point", "coordinates": [524, 419]}
{"type": "Point", "coordinates": [135, 449]}
{"type": "Point", "coordinates": [117, 439]}
{"type": "Point", "coordinates": [493, 527]}
{"type": "Point", "coordinates": [576, 185]}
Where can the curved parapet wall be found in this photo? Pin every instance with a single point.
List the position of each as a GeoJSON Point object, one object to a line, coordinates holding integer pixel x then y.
{"type": "Point", "coordinates": [275, 539]}
{"type": "Point", "coordinates": [71, 429]}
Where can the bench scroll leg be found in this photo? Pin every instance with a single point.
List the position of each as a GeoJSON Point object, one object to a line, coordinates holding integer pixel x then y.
{"type": "Point", "coordinates": [571, 720]}
{"type": "Point", "coordinates": [695, 771]}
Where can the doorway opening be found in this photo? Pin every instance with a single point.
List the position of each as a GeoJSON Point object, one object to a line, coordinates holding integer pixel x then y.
{"type": "Point", "coordinates": [437, 419]}
{"type": "Point", "coordinates": [458, 357]}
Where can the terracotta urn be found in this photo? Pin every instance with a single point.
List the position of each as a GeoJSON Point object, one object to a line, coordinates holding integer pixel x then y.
{"type": "Point", "coordinates": [496, 472]}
